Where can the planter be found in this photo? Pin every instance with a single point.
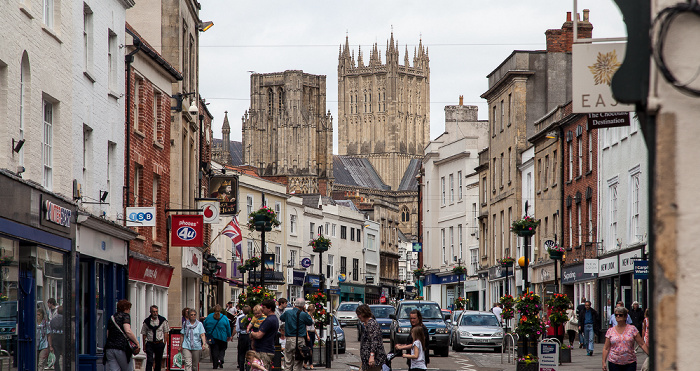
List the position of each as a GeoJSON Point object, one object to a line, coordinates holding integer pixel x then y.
{"type": "Point", "coordinates": [262, 223]}
{"type": "Point", "coordinates": [531, 347]}
{"type": "Point", "coordinates": [556, 255]}
{"type": "Point", "coordinates": [321, 247]}
{"type": "Point", "coordinates": [525, 233]}
{"type": "Point", "coordinates": [508, 265]}
{"type": "Point", "coordinates": [532, 366]}
{"type": "Point", "coordinates": [564, 355]}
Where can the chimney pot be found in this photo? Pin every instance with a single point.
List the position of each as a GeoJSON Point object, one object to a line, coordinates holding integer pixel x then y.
{"type": "Point", "coordinates": [585, 15]}
{"type": "Point", "coordinates": [568, 16]}
{"type": "Point", "coordinates": [461, 100]}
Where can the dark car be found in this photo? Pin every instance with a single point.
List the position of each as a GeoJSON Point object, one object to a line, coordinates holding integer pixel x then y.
{"type": "Point", "coordinates": [8, 327]}
{"type": "Point", "coordinates": [383, 315]}
{"type": "Point", "coordinates": [340, 336]}
{"type": "Point", "coordinates": [438, 331]}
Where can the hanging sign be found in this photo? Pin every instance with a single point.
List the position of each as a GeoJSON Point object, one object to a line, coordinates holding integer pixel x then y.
{"type": "Point", "coordinates": [141, 216]}
{"type": "Point", "coordinates": [641, 269]}
{"type": "Point", "coordinates": [592, 69]}
{"type": "Point", "coordinates": [210, 210]}
{"type": "Point", "coordinates": [187, 230]}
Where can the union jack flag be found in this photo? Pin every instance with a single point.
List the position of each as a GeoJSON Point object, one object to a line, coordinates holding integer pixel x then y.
{"type": "Point", "coordinates": [233, 231]}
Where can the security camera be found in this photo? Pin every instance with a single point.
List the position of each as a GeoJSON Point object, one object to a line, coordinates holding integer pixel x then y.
{"type": "Point", "coordinates": [193, 110]}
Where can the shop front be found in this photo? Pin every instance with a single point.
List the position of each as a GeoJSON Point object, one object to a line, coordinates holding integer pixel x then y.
{"type": "Point", "coordinates": [372, 294]}
{"type": "Point", "coordinates": [351, 292]}
{"type": "Point", "coordinates": [616, 281]}
{"type": "Point", "coordinates": [37, 230]}
{"type": "Point", "coordinates": [543, 275]}
{"type": "Point", "coordinates": [578, 285]}
{"type": "Point", "coordinates": [497, 286]}
{"type": "Point", "coordinates": [295, 284]}
{"type": "Point", "coordinates": [191, 278]}
{"type": "Point", "coordinates": [471, 293]}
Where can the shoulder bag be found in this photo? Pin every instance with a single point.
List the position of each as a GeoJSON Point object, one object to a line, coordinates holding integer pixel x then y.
{"type": "Point", "coordinates": [210, 338]}
{"type": "Point", "coordinates": [574, 320]}
{"type": "Point", "coordinates": [134, 346]}
{"type": "Point", "coordinates": [303, 351]}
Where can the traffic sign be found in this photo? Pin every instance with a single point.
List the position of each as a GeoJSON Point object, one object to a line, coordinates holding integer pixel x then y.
{"type": "Point", "coordinates": [306, 262]}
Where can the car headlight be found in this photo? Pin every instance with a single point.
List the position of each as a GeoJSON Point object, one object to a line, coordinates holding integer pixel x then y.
{"type": "Point", "coordinates": [442, 331]}
{"type": "Point", "coordinates": [497, 334]}
{"type": "Point", "coordinates": [465, 333]}
{"type": "Point", "coordinates": [403, 330]}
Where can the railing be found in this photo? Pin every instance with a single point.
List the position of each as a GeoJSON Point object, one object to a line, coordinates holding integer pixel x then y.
{"type": "Point", "coordinates": [509, 346]}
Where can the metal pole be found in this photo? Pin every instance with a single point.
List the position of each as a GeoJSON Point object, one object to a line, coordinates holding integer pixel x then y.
{"type": "Point", "coordinates": [556, 280]}
{"type": "Point", "coordinates": [262, 257]}
{"type": "Point", "coordinates": [526, 248]}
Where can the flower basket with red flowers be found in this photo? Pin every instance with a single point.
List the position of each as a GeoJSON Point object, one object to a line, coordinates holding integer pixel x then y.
{"type": "Point", "coordinates": [460, 303]}
{"type": "Point", "coordinates": [459, 270]}
{"type": "Point", "coordinates": [263, 219]}
{"type": "Point", "coordinates": [419, 272]}
{"type": "Point", "coordinates": [530, 327]}
{"type": "Point", "coordinates": [506, 261]}
{"type": "Point", "coordinates": [256, 294]}
{"type": "Point", "coordinates": [558, 303]}
{"type": "Point", "coordinates": [525, 227]}
{"type": "Point", "coordinates": [252, 263]}
{"type": "Point", "coordinates": [556, 252]}
{"type": "Point", "coordinates": [320, 244]}
{"type": "Point", "coordinates": [508, 312]}
{"type": "Point", "coordinates": [318, 300]}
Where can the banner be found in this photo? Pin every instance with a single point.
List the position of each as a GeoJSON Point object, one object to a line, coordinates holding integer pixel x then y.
{"type": "Point", "coordinates": [187, 230]}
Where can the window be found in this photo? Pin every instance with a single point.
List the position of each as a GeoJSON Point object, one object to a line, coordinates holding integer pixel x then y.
{"type": "Point", "coordinates": [474, 261]}
{"type": "Point", "coordinates": [510, 108]}
{"type": "Point", "coordinates": [579, 230]}
{"type": "Point", "coordinates": [87, 154]}
{"type": "Point", "coordinates": [613, 215]}
{"type": "Point", "coordinates": [138, 182]}
{"type": "Point", "coordinates": [510, 161]}
{"type": "Point", "coordinates": [47, 146]}
{"type": "Point", "coordinates": [493, 117]}
{"type": "Point", "coordinates": [503, 231]}
{"type": "Point", "coordinates": [442, 190]}
{"type": "Point", "coordinates": [329, 268]}
{"type": "Point", "coordinates": [293, 224]}
{"type": "Point", "coordinates": [539, 173]}
{"type": "Point", "coordinates": [590, 218]}
{"type": "Point", "coordinates": [502, 170]}
{"type": "Point", "coordinates": [475, 222]}
{"type": "Point", "coordinates": [326, 229]}
{"type": "Point", "coordinates": [278, 211]}
{"type": "Point", "coordinates": [571, 161]}
{"type": "Point", "coordinates": [370, 242]}
{"type": "Point", "coordinates": [555, 162]}
{"type": "Point", "coordinates": [333, 230]}
{"type": "Point", "coordinates": [249, 204]}
{"type": "Point", "coordinates": [483, 187]}
{"type": "Point", "coordinates": [358, 235]}
{"type": "Point", "coordinates": [343, 265]}
{"type": "Point", "coordinates": [444, 253]}
{"type": "Point", "coordinates": [460, 239]}
{"type": "Point", "coordinates": [352, 234]}
{"type": "Point", "coordinates": [571, 230]}
{"type": "Point", "coordinates": [453, 256]}
{"type": "Point", "coordinates": [48, 13]}
{"type": "Point", "coordinates": [459, 185]}
{"type": "Point", "coordinates": [24, 86]}
{"type": "Point", "coordinates": [355, 269]}
{"type": "Point", "coordinates": [112, 54]}
{"type": "Point", "coordinates": [545, 182]}
{"type": "Point", "coordinates": [313, 261]}
{"type": "Point", "coordinates": [159, 128]}
{"type": "Point", "coordinates": [493, 175]}
{"type": "Point", "coordinates": [155, 200]}
{"type": "Point", "coordinates": [278, 258]}
{"type": "Point", "coordinates": [250, 249]}
{"type": "Point", "coordinates": [511, 236]}
{"type": "Point", "coordinates": [343, 232]}
{"type": "Point", "coordinates": [137, 102]}
{"type": "Point", "coordinates": [590, 151]}
{"type": "Point", "coordinates": [312, 231]}
{"type": "Point", "coordinates": [111, 168]}
{"type": "Point", "coordinates": [503, 114]}
{"type": "Point", "coordinates": [634, 207]}
{"type": "Point", "coordinates": [293, 257]}
{"type": "Point", "coordinates": [580, 155]}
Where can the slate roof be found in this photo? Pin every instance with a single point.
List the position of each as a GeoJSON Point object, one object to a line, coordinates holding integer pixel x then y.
{"type": "Point", "coordinates": [236, 150]}
{"type": "Point", "coordinates": [358, 172]}
{"type": "Point", "coordinates": [409, 181]}
{"type": "Point", "coordinates": [347, 203]}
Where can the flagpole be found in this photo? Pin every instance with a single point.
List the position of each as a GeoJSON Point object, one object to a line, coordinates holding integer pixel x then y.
{"type": "Point", "coordinates": [221, 232]}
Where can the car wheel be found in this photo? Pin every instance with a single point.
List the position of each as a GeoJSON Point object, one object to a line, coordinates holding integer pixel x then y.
{"type": "Point", "coordinates": [456, 346]}
{"type": "Point", "coordinates": [498, 349]}
{"type": "Point", "coordinates": [445, 352]}
{"type": "Point", "coordinates": [341, 351]}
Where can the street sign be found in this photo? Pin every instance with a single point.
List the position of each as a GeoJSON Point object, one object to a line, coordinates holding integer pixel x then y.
{"type": "Point", "coordinates": [306, 262]}
{"type": "Point", "coordinates": [641, 269]}
{"type": "Point", "coordinates": [548, 353]}
{"type": "Point", "coordinates": [141, 216]}
{"type": "Point", "coordinates": [549, 244]}
{"type": "Point", "coordinates": [417, 247]}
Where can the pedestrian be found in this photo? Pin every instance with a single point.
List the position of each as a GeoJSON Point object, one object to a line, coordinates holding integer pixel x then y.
{"type": "Point", "coordinates": [372, 353]}
{"type": "Point", "coordinates": [118, 354]}
{"type": "Point", "coordinates": [589, 324]}
{"type": "Point", "coordinates": [645, 334]}
{"type": "Point", "coordinates": [185, 316]}
{"type": "Point", "coordinates": [618, 353]}
{"type": "Point", "coordinates": [417, 356]}
{"type": "Point", "coordinates": [153, 331]}
{"type": "Point", "coordinates": [497, 311]}
{"type": "Point", "coordinates": [579, 309]}
{"type": "Point", "coordinates": [254, 361]}
{"type": "Point", "coordinates": [416, 319]}
{"type": "Point", "coordinates": [254, 325]}
{"type": "Point", "coordinates": [637, 316]}
{"type": "Point", "coordinates": [281, 308]}
{"type": "Point", "coordinates": [572, 324]}
{"type": "Point", "coordinates": [56, 339]}
{"type": "Point", "coordinates": [311, 336]}
{"type": "Point", "coordinates": [193, 341]}
{"type": "Point", "coordinates": [266, 334]}
{"type": "Point", "coordinates": [53, 308]}
{"type": "Point", "coordinates": [612, 322]}
{"type": "Point", "coordinates": [243, 337]}
{"type": "Point", "coordinates": [296, 321]}
{"type": "Point", "coordinates": [218, 330]}
{"type": "Point", "coordinates": [42, 341]}
{"type": "Point", "coordinates": [230, 309]}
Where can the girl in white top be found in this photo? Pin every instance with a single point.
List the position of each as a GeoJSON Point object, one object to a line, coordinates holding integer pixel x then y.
{"type": "Point", "coordinates": [417, 355]}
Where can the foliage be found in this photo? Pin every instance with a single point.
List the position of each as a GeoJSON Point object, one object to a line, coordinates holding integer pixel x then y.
{"type": "Point", "coordinates": [320, 244]}
{"type": "Point", "coordinates": [506, 260]}
{"type": "Point", "coordinates": [508, 312]}
{"type": "Point", "coordinates": [6, 259]}
{"type": "Point", "coordinates": [252, 263]}
{"type": "Point", "coordinates": [264, 212]}
{"type": "Point", "coordinates": [256, 294]}
{"type": "Point", "coordinates": [318, 300]}
{"type": "Point", "coordinates": [564, 346]}
{"type": "Point", "coordinates": [530, 326]}
{"type": "Point", "coordinates": [556, 249]}
{"type": "Point", "coordinates": [528, 359]}
{"type": "Point", "coordinates": [3, 297]}
{"type": "Point", "coordinates": [459, 270]}
{"type": "Point", "coordinates": [460, 303]}
{"type": "Point", "coordinates": [419, 272]}
{"type": "Point", "coordinates": [419, 297]}
{"type": "Point", "coordinates": [525, 226]}
{"type": "Point", "coordinates": [558, 304]}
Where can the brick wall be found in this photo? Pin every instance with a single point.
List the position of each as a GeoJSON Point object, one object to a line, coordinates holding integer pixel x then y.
{"type": "Point", "coordinates": [560, 40]}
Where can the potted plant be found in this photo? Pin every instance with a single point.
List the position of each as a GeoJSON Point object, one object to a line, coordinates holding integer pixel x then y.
{"type": "Point", "coordinates": [263, 219]}
{"type": "Point", "coordinates": [6, 260]}
{"type": "Point", "coordinates": [320, 244]}
{"type": "Point", "coordinates": [506, 261]}
{"type": "Point", "coordinates": [318, 300]}
{"type": "Point", "coordinates": [565, 353]}
{"type": "Point", "coordinates": [528, 363]}
{"type": "Point", "coordinates": [252, 263]}
{"type": "Point", "coordinates": [419, 297]}
{"type": "Point", "coordinates": [460, 303]}
{"type": "Point", "coordinates": [256, 294]}
{"type": "Point", "coordinates": [508, 312]}
{"type": "Point", "coordinates": [556, 252]}
{"type": "Point", "coordinates": [3, 297]}
{"type": "Point", "coordinates": [530, 326]}
{"type": "Point", "coordinates": [525, 227]}
{"type": "Point", "coordinates": [419, 272]}
{"type": "Point", "coordinates": [459, 270]}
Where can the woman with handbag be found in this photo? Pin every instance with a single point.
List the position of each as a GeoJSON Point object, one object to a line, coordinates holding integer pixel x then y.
{"type": "Point", "coordinates": [372, 352]}
{"type": "Point", "coordinates": [311, 336]}
{"type": "Point", "coordinates": [218, 330]}
{"type": "Point", "coordinates": [572, 324]}
{"type": "Point", "coordinates": [121, 342]}
{"type": "Point", "coordinates": [193, 341]}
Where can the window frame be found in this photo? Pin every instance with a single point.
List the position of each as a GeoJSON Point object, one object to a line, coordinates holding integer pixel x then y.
{"type": "Point", "coordinates": [48, 115]}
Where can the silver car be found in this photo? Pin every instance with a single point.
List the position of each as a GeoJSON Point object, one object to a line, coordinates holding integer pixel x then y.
{"type": "Point", "coordinates": [346, 312]}
{"type": "Point", "coordinates": [477, 329]}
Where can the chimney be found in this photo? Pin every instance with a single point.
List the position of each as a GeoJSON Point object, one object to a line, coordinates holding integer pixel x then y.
{"type": "Point", "coordinates": [461, 100]}
{"type": "Point", "coordinates": [560, 40]}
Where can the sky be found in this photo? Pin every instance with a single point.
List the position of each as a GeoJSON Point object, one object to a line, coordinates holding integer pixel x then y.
{"type": "Point", "coordinates": [466, 40]}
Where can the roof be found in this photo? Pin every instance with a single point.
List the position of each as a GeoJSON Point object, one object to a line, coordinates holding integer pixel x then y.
{"type": "Point", "coordinates": [142, 44]}
{"type": "Point", "coordinates": [409, 181]}
{"type": "Point", "coordinates": [347, 203]}
{"type": "Point", "coordinates": [236, 150]}
{"type": "Point", "coordinates": [356, 171]}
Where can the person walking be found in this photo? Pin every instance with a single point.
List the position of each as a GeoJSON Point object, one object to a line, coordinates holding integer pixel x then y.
{"type": "Point", "coordinates": [193, 341]}
{"type": "Point", "coordinates": [266, 334]}
{"type": "Point", "coordinates": [372, 353]}
{"type": "Point", "coordinates": [230, 309]}
{"type": "Point", "coordinates": [218, 330]}
{"type": "Point", "coordinates": [42, 341]}
{"type": "Point", "coordinates": [618, 352]}
{"type": "Point", "coordinates": [56, 339]}
{"type": "Point", "coordinates": [612, 321]}
{"type": "Point", "coordinates": [153, 332]}
{"type": "Point", "coordinates": [311, 336]}
{"type": "Point", "coordinates": [117, 350]}
{"type": "Point", "coordinates": [579, 309]}
{"type": "Point", "coordinates": [417, 356]}
{"type": "Point", "coordinates": [497, 311]}
{"type": "Point", "coordinates": [296, 321]}
{"type": "Point", "coordinates": [637, 316]}
{"type": "Point", "coordinates": [589, 324]}
{"type": "Point", "coordinates": [243, 337]}
{"type": "Point", "coordinates": [645, 335]}
{"type": "Point", "coordinates": [572, 324]}
{"type": "Point", "coordinates": [416, 319]}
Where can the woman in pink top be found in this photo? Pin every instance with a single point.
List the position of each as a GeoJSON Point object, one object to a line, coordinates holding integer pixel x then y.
{"type": "Point", "coordinates": [618, 352]}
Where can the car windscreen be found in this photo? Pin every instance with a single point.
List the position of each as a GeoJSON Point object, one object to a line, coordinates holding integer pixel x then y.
{"type": "Point", "coordinates": [382, 312]}
{"type": "Point", "coordinates": [8, 311]}
{"type": "Point", "coordinates": [479, 320]}
{"type": "Point", "coordinates": [347, 307]}
{"type": "Point", "coordinates": [428, 310]}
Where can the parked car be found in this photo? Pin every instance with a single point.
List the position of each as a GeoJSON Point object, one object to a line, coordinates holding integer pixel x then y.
{"type": "Point", "coordinates": [477, 329]}
{"type": "Point", "coordinates": [382, 313]}
{"type": "Point", "coordinates": [438, 333]}
{"type": "Point", "coordinates": [8, 328]}
{"type": "Point", "coordinates": [346, 312]}
{"type": "Point", "coordinates": [340, 336]}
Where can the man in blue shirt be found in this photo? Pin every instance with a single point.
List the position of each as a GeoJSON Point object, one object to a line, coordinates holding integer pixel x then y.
{"type": "Point", "coordinates": [295, 322]}
{"type": "Point", "coordinates": [266, 335]}
{"type": "Point", "coordinates": [589, 324]}
{"type": "Point", "coordinates": [613, 322]}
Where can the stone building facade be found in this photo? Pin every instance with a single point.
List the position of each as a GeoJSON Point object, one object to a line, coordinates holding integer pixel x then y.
{"type": "Point", "coordinates": [384, 109]}
{"type": "Point", "coordinates": [287, 132]}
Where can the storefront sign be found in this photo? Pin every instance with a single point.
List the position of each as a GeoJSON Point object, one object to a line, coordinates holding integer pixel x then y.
{"type": "Point", "coordinates": [497, 272]}
{"type": "Point", "coordinates": [470, 286]}
{"type": "Point", "coordinates": [177, 360]}
{"type": "Point", "coordinates": [627, 260]}
{"type": "Point", "coordinates": [548, 353]}
{"type": "Point", "coordinates": [210, 210]}
{"type": "Point", "coordinates": [143, 271]}
{"type": "Point", "coordinates": [226, 192]}
{"type": "Point", "coordinates": [313, 279]}
{"type": "Point", "coordinates": [544, 273]}
{"type": "Point", "coordinates": [592, 67]}
{"type": "Point", "coordinates": [187, 230]}
{"type": "Point", "coordinates": [453, 278]}
{"type": "Point", "coordinates": [102, 245]}
{"type": "Point", "coordinates": [57, 214]}
{"type": "Point", "coordinates": [608, 120]}
{"type": "Point", "coordinates": [192, 259]}
{"type": "Point", "coordinates": [576, 273]}
{"type": "Point", "coordinates": [298, 279]}
{"type": "Point", "coordinates": [417, 247]}
{"type": "Point", "coordinates": [590, 266]}
{"type": "Point", "coordinates": [141, 216]}
{"type": "Point", "coordinates": [641, 269]}
{"type": "Point", "coordinates": [607, 266]}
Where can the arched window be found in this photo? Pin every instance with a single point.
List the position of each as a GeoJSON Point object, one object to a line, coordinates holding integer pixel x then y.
{"type": "Point", "coordinates": [280, 101]}
{"type": "Point", "coordinates": [270, 100]}
{"type": "Point", "coordinates": [24, 86]}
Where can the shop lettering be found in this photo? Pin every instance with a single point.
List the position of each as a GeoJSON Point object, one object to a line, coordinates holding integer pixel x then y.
{"type": "Point", "coordinates": [150, 273]}
{"type": "Point", "coordinates": [607, 266]}
{"type": "Point", "coordinates": [57, 214]}
{"type": "Point", "coordinates": [189, 224]}
{"type": "Point", "coordinates": [600, 101]}
{"type": "Point", "coordinates": [570, 276]}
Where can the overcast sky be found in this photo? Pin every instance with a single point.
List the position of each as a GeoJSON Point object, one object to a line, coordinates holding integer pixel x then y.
{"type": "Point", "coordinates": [467, 40]}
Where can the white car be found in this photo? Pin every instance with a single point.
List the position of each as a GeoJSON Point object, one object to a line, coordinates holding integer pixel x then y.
{"type": "Point", "coordinates": [477, 329]}
{"type": "Point", "coordinates": [346, 312]}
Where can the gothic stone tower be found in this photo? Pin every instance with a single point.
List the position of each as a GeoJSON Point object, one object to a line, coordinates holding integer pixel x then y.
{"type": "Point", "coordinates": [384, 109]}
{"type": "Point", "coordinates": [287, 133]}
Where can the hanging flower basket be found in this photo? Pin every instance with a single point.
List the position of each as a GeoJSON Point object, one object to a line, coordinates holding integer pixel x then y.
{"type": "Point", "coordinates": [6, 260]}
{"type": "Point", "coordinates": [460, 303]}
{"type": "Point", "coordinates": [506, 261]}
{"type": "Point", "coordinates": [459, 270]}
{"type": "Point", "coordinates": [530, 326]}
{"type": "Point", "coordinates": [320, 244]}
{"type": "Point", "coordinates": [419, 272]}
{"type": "Point", "coordinates": [556, 252]}
{"type": "Point", "coordinates": [252, 263]}
{"type": "Point", "coordinates": [508, 312]}
{"type": "Point", "coordinates": [263, 219]}
{"type": "Point", "coordinates": [3, 297]}
{"type": "Point", "coordinates": [256, 294]}
{"type": "Point", "coordinates": [525, 227]}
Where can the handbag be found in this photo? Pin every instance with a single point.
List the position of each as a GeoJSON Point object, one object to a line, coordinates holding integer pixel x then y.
{"type": "Point", "coordinates": [303, 351]}
{"type": "Point", "coordinates": [574, 320]}
{"type": "Point", "coordinates": [210, 338]}
{"type": "Point", "coordinates": [134, 346]}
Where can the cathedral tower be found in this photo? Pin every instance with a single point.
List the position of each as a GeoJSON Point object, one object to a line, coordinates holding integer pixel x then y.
{"type": "Point", "coordinates": [225, 143]}
{"type": "Point", "coordinates": [287, 132]}
{"type": "Point", "coordinates": [384, 108]}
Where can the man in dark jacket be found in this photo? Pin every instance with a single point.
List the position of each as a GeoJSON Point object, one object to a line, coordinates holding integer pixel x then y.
{"type": "Point", "coordinates": [416, 319]}
{"type": "Point", "coordinates": [637, 315]}
{"type": "Point", "coordinates": [579, 310]}
{"type": "Point", "coordinates": [589, 324]}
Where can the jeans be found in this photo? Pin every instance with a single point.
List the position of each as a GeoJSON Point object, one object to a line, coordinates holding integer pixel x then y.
{"type": "Point", "coordinates": [154, 355]}
{"type": "Point", "coordinates": [628, 367]}
{"type": "Point", "coordinates": [589, 336]}
{"type": "Point", "coordinates": [243, 347]}
{"type": "Point", "coordinates": [218, 352]}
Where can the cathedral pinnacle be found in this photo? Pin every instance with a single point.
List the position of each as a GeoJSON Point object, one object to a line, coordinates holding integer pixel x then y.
{"type": "Point", "coordinates": [226, 125]}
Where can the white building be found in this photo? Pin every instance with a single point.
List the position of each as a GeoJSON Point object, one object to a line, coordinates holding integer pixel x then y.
{"type": "Point", "coordinates": [408, 261]}
{"type": "Point", "coordinates": [450, 205]}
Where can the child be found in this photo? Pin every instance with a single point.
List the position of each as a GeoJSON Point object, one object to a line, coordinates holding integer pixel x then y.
{"type": "Point", "coordinates": [417, 355]}
{"type": "Point", "coordinates": [255, 363]}
{"type": "Point", "coordinates": [255, 323]}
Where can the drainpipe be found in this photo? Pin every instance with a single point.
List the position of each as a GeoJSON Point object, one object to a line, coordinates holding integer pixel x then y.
{"type": "Point", "coordinates": [129, 58]}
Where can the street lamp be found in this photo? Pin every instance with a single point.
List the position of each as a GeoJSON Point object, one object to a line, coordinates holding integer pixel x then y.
{"type": "Point", "coordinates": [212, 264]}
